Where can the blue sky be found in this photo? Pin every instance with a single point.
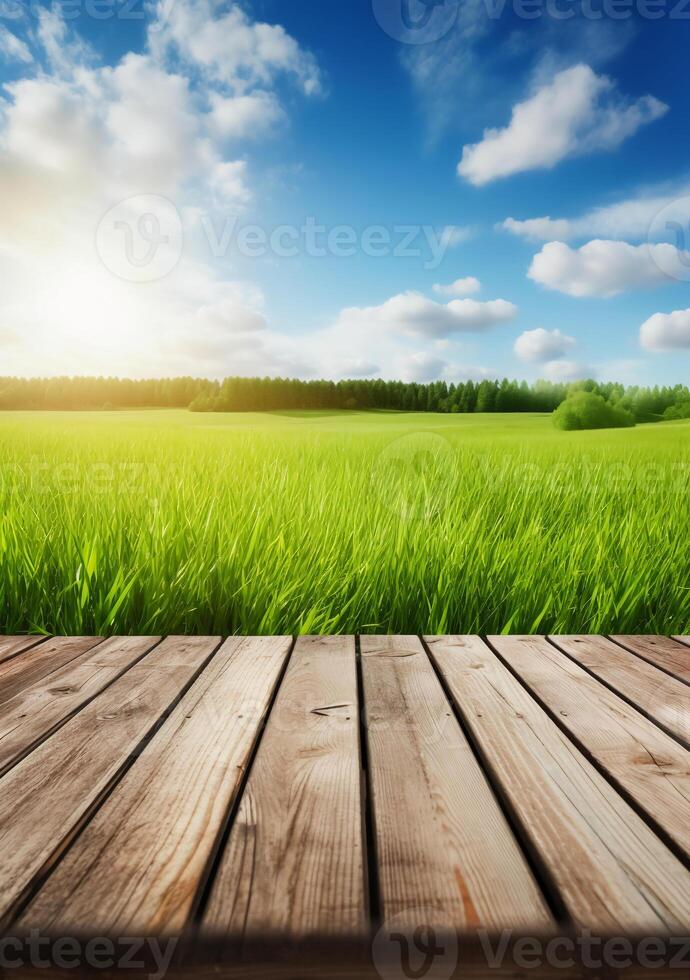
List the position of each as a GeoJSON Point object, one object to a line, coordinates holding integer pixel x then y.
{"type": "Point", "coordinates": [214, 188]}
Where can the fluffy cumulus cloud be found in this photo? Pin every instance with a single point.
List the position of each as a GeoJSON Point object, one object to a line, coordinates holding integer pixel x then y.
{"type": "Point", "coordinates": [640, 217]}
{"type": "Point", "coordinates": [666, 331]}
{"type": "Point", "coordinates": [229, 47]}
{"type": "Point", "coordinates": [407, 336]}
{"type": "Point", "coordinates": [478, 64]}
{"type": "Point", "coordinates": [565, 370]}
{"type": "Point", "coordinates": [84, 120]}
{"type": "Point", "coordinates": [461, 287]}
{"type": "Point", "coordinates": [542, 345]}
{"type": "Point", "coordinates": [577, 112]}
{"type": "Point", "coordinates": [423, 366]}
{"type": "Point", "coordinates": [602, 268]}
{"type": "Point", "coordinates": [412, 314]}
{"type": "Point", "coordinates": [247, 117]}
{"type": "Point", "coordinates": [76, 138]}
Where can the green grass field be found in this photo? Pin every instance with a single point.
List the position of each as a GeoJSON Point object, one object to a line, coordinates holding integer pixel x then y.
{"type": "Point", "coordinates": [162, 522]}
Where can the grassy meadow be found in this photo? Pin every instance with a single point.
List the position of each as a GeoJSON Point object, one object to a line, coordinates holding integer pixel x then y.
{"type": "Point", "coordinates": [167, 521]}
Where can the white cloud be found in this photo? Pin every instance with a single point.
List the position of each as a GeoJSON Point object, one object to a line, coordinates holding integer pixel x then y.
{"type": "Point", "coordinates": [233, 313]}
{"type": "Point", "coordinates": [74, 147]}
{"type": "Point", "coordinates": [229, 47]}
{"type": "Point", "coordinates": [422, 366]}
{"type": "Point", "coordinates": [564, 370]}
{"type": "Point", "coordinates": [64, 50]}
{"type": "Point", "coordinates": [49, 126]}
{"type": "Point", "coordinates": [630, 218]}
{"type": "Point", "coordinates": [75, 141]}
{"type": "Point", "coordinates": [539, 229]}
{"type": "Point", "coordinates": [76, 138]}
{"type": "Point", "coordinates": [228, 180]}
{"type": "Point", "coordinates": [13, 48]}
{"type": "Point", "coordinates": [245, 116]}
{"type": "Point", "coordinates": [359, 368]}
{"type": "Point", "coordinates": [542, 345]}
{"type": "Point", "coordinates": [362, 342]}
{"type": "Point", "coordinates": [601, 268]}
{"type": "Point", "coordinates": [412, 314]}
{"type": "Point", "coordinates": [477, 64]}
{"type": "Point", "coordinates": [161, 139]}
{"type": "Point", "coordinates": [666, 331]}
{"type": "Point", "coordinates": [461, 287]}
{"type": "Point", "coordinates": [578, 112]}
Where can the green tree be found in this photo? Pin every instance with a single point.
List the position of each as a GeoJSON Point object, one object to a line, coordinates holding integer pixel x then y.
{"type": "Point", "coordinates": [585, 410]}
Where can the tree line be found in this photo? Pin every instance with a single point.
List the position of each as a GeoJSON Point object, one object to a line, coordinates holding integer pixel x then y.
{"type": "Point", "coordinates": [65, 394]}
{"type": "Point", "coordinates": [646, 404]}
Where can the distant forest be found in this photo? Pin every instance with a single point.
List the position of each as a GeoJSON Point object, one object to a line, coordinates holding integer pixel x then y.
{"type": "Point", "coordinates": [278, 394]}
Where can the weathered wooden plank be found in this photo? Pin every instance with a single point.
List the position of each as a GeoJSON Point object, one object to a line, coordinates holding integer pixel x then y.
{"type": "Point", "coordinates": [140, 861]}
{"type": "Point", "coordinates": [611, 871]}
{"type": "Point", "coordinates": [294, 862]}
{"type": "Point", "coordinates": [36, 711]}
{"type": "Point", "coordinates": [38, 662]}
{"type": "Point", "coordinates": [10, 646]}
{"type": "Point", "coordinates": [661, 651]}
{"type": "Point", "coordinates": [662, 698]}
{"type": "Point", "coordinates": [648, 764]}
{"type": "Point", "coordinates": [46, 796]}
{"type": "Point", "coordinates": [444, 847]}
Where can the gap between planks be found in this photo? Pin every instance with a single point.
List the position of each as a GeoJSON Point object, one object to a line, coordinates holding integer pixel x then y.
{"type": "Point", "coordinates": [59, 787]}
{"type": "Point", "coordinates": [406, 674]}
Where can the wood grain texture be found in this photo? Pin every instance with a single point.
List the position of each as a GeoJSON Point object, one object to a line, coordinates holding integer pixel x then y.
{"type": "Point", "coordinates": [130, 810]}
{"type": "Point", "coordinates": [612, 872]}
{"type": "Point", "coordinates": [44, 798]}
{"type": "Point", "coordinates": [36, 711]}
{"type": "Point", "coordinates": [137, 868]}
{"type": "Point", "coordinates": [664, 699]}
{"type": "Point", "coordinates": [294, 864]}
{"type": "Point", "coordinates": [444, 848]}
{"type": "Point", "coordinates": [10, 646]}
{"type": "Point", "coordinates": [39, 662]}
{"type": "Point", "coordinates": [662, 651]}
{"type": "Point", "coordinates": [648, 764]}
